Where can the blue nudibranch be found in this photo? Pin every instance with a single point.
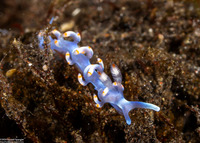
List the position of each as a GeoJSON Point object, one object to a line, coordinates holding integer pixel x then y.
{"type": "Point", "coordinates": [108, 92]}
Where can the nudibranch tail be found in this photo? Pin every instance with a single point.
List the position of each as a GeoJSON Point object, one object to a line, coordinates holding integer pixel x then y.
{"type": "Point", "coordinates": [108, 91]}
{"type": "Point", "coordinates": [129, 105]}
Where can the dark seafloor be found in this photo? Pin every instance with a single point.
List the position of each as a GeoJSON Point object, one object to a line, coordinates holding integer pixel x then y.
{"type": "Point", "coordinates": [155, 43]}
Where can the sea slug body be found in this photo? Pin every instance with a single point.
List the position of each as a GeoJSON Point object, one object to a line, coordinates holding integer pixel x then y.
{"type": "Point", "coordinates": [108, 91]}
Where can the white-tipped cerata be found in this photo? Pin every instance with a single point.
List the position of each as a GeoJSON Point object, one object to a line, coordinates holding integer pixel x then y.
{"type": "Point", "coordinates": [93, 68]}
{"type": "Point", "coordinates": [76, 51]}
{"type": "Point", "coordinates": [105, 91]}
{"type": "Point", "coordinates": [76, 36]}
{"type": "Point", "coordinates": [86, 50]}
{"type": "Point", "coordinates": [116, 73]}
{"type": "Point", "coordinates": [56, 42]}
{"type": "Point", "coordinates": [67, 57]}
{"type": "Point", "coordinates": [100, 62]}
{"type": "Point", "coordinates": [56, 33]}
{"type": "Point", "coordinates": [40, 34]}
{"type": "Point", "coordinates": [103, 77]}
{"type": "Point", "coordinates": [99, 104]}
{"type": "Point", "coordinates": [80, 79]}
{"type": "Point", "coordinates": [119, 86]}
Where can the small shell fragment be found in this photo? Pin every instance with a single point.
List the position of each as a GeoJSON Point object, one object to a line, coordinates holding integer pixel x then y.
{"type": "Point", "coordinates": [10, 72]}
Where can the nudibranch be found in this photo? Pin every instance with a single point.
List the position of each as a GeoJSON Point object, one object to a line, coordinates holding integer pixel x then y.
{"type": "Point", "coordinates": [108, 91]}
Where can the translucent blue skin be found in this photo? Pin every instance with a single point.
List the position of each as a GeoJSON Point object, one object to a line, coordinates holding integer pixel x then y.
{"type": "Point", "coordinates": [114, 96]}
